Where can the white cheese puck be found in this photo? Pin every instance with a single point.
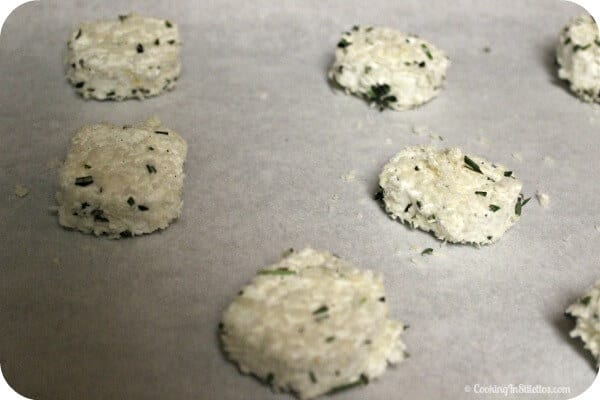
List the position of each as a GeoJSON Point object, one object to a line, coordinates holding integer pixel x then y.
{"type": "Point", "coordinates": [129, 57]}
{"type": "Point", "coordinates": [586, 312]}
{"type": "Point", "coordinates": [388, 68]}
{"type": "Point", "coordinates": [312, 324]}
{"type": "Point", "coordinates": [122, 181]}
{"type": "Point", "coordinates": [459, 198]}
{"type": "Point", "coordinates": [578, 57]}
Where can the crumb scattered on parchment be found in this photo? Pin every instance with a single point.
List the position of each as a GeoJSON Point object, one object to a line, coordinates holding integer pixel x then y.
{"type": "Point", "coordinates": [421, 130]}
{"type": "Point", "coordinates": [517, 156]}
{"type": "Point", "coordinates": [543, 199]}
{"type": "Point", "coordinates": [21, 191]}
{"type": "Point", "coordinates": [349, 177]}
{"type": "Point", "coordinates": [54, 163]}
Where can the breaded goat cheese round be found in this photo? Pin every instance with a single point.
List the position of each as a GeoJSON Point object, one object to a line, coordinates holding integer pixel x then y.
{"type": "Point", "coordinates": [122, 181]}
{"type": "Point", "coordinates": [586, 312]}
{"type": "Point", "coordinates": [578, 57]}
{"type": "Point", "coordinates": [459, 198]}
{"type": "Point", "coordinates": [312, 324]}
{"type": "Point", "coordinates": [388, 68]}
{"type": "Point", "coordinates": [128, 57]}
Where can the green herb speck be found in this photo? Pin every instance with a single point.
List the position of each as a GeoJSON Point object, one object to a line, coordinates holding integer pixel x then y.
{"type": "Point", "coordinates": [278, 271]}
{"type": "Point", "coordinates": [426, 50]}
{"type": "Point", "coordinates": [586, 300]}
{"type": "Point", "coordinates": [472, 165]}
{"type": "Point", "coordinates": [494, 207]}
{"type": "Point", "coordinates": [321, 310]}
{"type": "Point", "coordinates": [130, 201]}
{"type": "Point", "coordinates": [84, 180]}
{"type": "Point", "coordinates": [427, 251]}
{"type": "Point", "coordinates": [363, 380]}
{"type": "Point", "coordinates": [520, 203]}
{"type": "Point", "coordinates": [342, 44]}
{"type": "Point", "coordinates": [479, 193]}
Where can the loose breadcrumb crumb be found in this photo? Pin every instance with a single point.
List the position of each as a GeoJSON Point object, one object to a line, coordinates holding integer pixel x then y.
{"type": "Point", "coordinates": [543, 199]}
{"type": "Point", "coordinates": [21, 191]}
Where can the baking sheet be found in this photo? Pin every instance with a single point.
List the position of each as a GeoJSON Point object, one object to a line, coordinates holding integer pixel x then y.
{"type": "Point", "coordinates": [269, 141]}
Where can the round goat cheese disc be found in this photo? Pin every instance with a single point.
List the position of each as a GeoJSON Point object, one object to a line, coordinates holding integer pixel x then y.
{"type": "Point", "coordinates": [122, 181]}
{"type": "Point", "coordinates": [459, 198]}
{"type": "Point", "coordinates": [586, 312]}
{"type": "Point", "coordinates": [312, 324]}
{"type": "Point", "coordinates": [578, 57]}
{"type": "Point", "coordinates": [128, 57]}
{"type": "Point", "coordinates": [388, 68]}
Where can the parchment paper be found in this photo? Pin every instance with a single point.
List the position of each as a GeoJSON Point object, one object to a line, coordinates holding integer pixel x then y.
{"type": "Point", "coordinates": [269, 141]}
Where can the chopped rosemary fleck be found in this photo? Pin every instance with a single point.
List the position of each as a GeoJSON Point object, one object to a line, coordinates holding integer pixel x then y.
{"type": "Point", "coordinates": [140, 48]}
{"type": "Point", "coordinates": [422, 64]}
{"type": "Point", "coordinates": [171, 41]}
{"type": "Point", "coordinates": [161, 132]}
{"type": "Point", "coordinates": [355, 28]}
{"type": "Point", "coordinates": [472, 165]}
{"type": "Point", "coordinates": [84, 180]}
{"type": "Point", "coordinates": [363, 380]}
{"type": "Point", "coordinates": [125, 234]}
{"type": "Point", "coordinates": [157, 42]}
{"type": "Point", "coordinates": [520, 203]}
{"type": "Point", "coordinates": [419, 205]}
{"type": "Point", "coordinates": [428, 250]}
{"type": "Point", "coordinates": [85, 205]}
{"type": "Point", "coordinates": [150, 148]}
{"type": "Point", "coordinates": [168, 24]}
{"type": "Point", "coordinates": [417, 168]}
{"type": "Point", "coordinates": [111, 93]}
{"type": "Point", "coordinates": [330, 339]}
{"type": "Point", "coordinates": [481, 193]}
{"type": "Point", "coordinates": [278, 271]}
{"type": "Point", "coordinates": [342, 44]}
{"type": "Point", "coordinates": [143, 208]}
{"type": "Point", "coordinates": [87, 166]}
{"type": "Point", "coordinates": [320, 310]}
{"type": "Point", "coordinates": [122, 17]}
{"type": "Point", "coordinates": [130, 201]}
{"type": "Point", "coordinates": [79, 85]}
{"type": "Point", "coordinates": [312, 377]}
{"type": "Point", "coordinates": [367, 69]}
{"type": "Point", "coordinates": [578, 47]}
{"type": "Point", "coordinates": [151, 169]}
{"type": "Point", "coordinates": [586, 300]}
{"type": "Point", "coordinates": [78, 34]}
{"type": "Point", "coordinates": [507, 173]}
{"type": "Point", "coordinates": [567, 41]}
{"type": "Point", "coordinates": [494, 207]}
{"type": "Point", "coordinates": [379, 194]}
{"type": "Point", "coordinates": [382, 299]}
{"type": "Point", "coordinates": [426, 50]}
{"type": "Point", "coordinates": [407, 207]}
